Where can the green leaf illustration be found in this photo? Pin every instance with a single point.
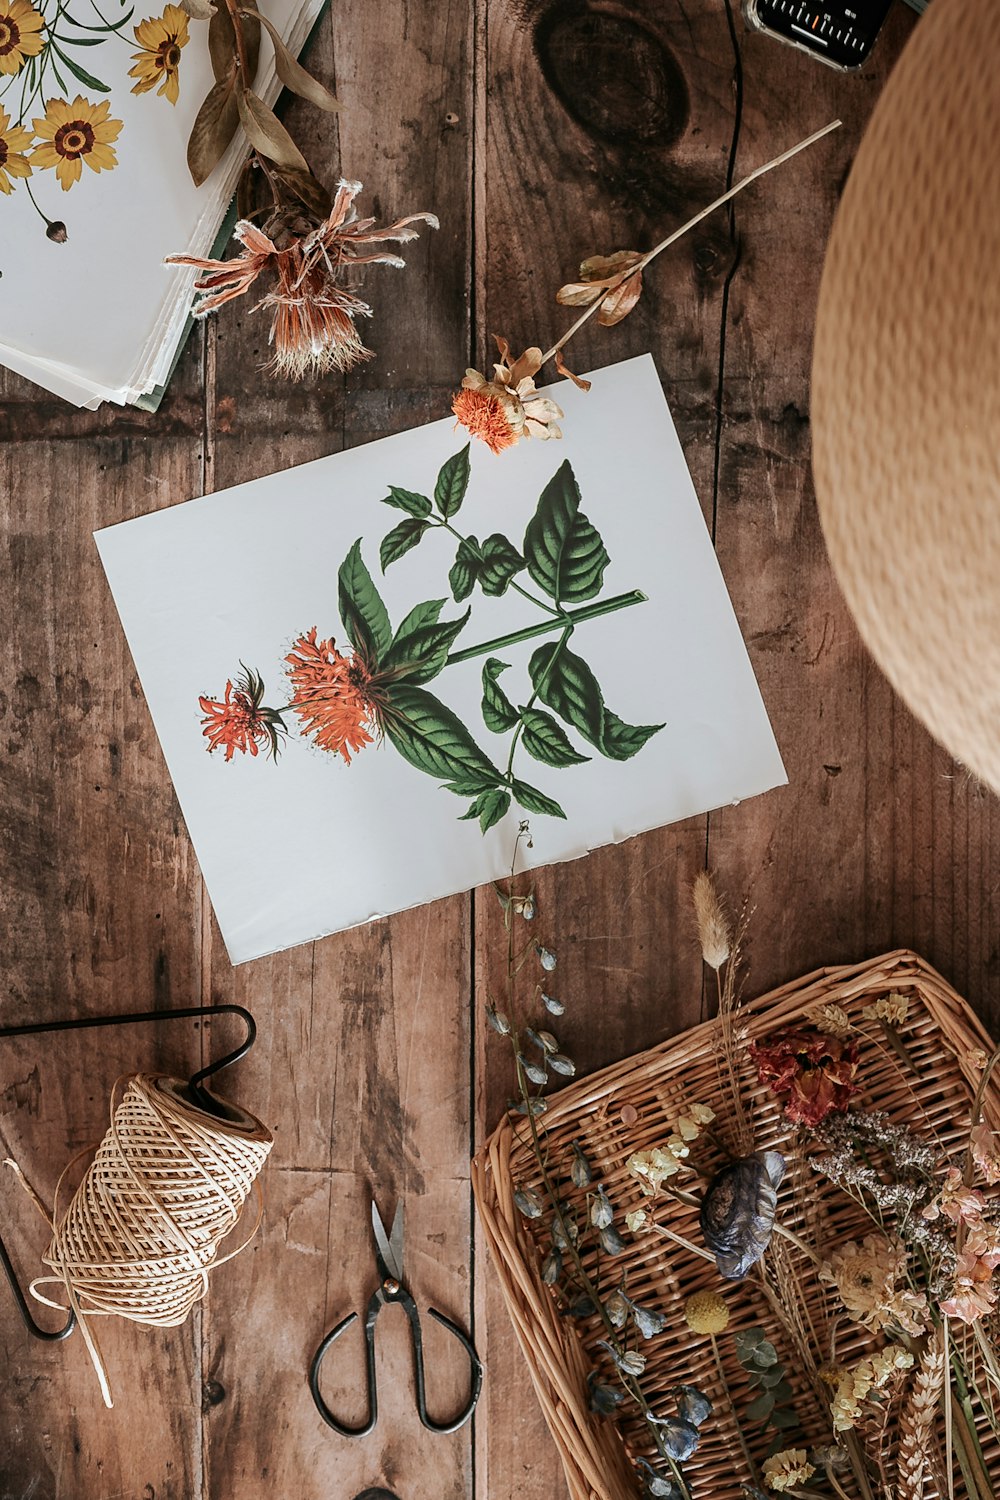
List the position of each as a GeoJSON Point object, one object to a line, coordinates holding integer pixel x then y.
{"type": "Point", "coordinates": [421, 644]}
{"type": "Point", "coordinates": [565, 683]}
{"type": "Point", "coordinates": [465, 570]}
{"type": "Point", "coordinates": [489, 807]}
{"type": "Point", "coordinates": [535, 801]}
{"type": "Point", "coordinates": [400, 539]}
{"type": "Point", "coordinates": [564, 552]}
{"type": "Point", "coordinates": [361, 609]}
{"type": "Point", "coordinates": [408, 500]}
{"type": "Point", "coordinates": [434, 740]}
{"type": "Point", "coordinates": [452, 483]}
{"type": "Point", "coordinates": [547, 740]}
{"type": "Point", "coordinates": [500, 563]}
{"type": "Point", "coordinates": [499, 714]}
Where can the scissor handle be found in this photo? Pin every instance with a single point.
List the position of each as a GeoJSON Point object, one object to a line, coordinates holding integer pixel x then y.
{"type": "Point", "coordinates": [418, 1362]}
{"type": "Point", "coordinates": [380, 1299]}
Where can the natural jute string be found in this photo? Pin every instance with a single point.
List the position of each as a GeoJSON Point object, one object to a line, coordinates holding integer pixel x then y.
{"type": "Point", "coordinates": [167, 1184]}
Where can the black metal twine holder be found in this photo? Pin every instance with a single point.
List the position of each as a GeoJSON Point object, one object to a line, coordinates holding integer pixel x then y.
{"type": "Point", "coordinates": [201, 1096]}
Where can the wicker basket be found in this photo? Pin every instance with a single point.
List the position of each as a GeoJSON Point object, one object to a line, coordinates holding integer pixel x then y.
{"type": "Point", "coordinates": [940, 1034]}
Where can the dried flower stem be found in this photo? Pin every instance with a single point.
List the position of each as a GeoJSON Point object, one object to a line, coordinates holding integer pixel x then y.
{"type": "Point", "coordinates": [679, 233]}
{"type": "Point", "coordinates": [737, 1424]}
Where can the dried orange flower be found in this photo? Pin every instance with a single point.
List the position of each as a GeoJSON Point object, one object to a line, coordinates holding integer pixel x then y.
{"type": "Point", "coordinates": [334, 695]}
{"type": "Point", "coordinates": [501, 411]}
{"type": "Point", "coordinates": [313, 322]}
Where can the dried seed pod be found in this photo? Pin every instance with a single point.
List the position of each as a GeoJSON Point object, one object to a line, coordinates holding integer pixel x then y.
{"type": "Point", "coordinates": [553, 1006]}
{"type": "Point", "coordinates": [497, 1019]}
{"type": "Point", "coordinates": [580, 1171]}
{"type": "Point", "coordinates": [603, 1398]}
{"type": "Point", "coordinates": [563, 1227]}
{"type": "Point", "coordinates": [551, 1266]}
{"type": "Point", "coordinates": [548, 1042]}
{"type": "Point", "coordinates": [680, 1438]}
{"type": "Point", "coordinates": [617, 1308]}
{"type": "Point", "coordinates": [648, 1321]}
{"type": "Point", "coordinates": [583, 1307]}
{"type": "Point", "coordinates": [534, 1072]}
{"type": "Point", "coordinates": [601, 1212]}
{"type": "Point", "coordinates": [529, 1203]}
{"type": "Point", "coordinates": [692, 1404]}
{"type": "Point", "coordinates": [560, 1063]}
{"type": "Point", "coordinates": [629, 1361]}
{"type": "Point", "coordinates": [546, 958]}
{"type": "Point", "coordinates": [737, 1211]}
{"type": "Point", "coordinates": [533, 1107]}
{"type": "Point", "coordinates": [611, 1241]}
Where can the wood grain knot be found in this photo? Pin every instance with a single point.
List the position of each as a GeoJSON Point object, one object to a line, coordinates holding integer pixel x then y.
{"type": "Point", "coordinates": [617, 78]}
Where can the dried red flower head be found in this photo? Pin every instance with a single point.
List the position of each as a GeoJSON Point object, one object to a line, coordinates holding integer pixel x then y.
{"type": "Point", "coordinates": [334, 695]}
{"type": "Point", "coordinates": [240, 720]}
{"type": "Point", "coordinates": [313, 312]}
{"type": "Point", "coordinates": [810, 1072]}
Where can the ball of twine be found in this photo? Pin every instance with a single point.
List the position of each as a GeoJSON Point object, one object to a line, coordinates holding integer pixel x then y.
{"type": "Point", "coordinates": [167, 1185]}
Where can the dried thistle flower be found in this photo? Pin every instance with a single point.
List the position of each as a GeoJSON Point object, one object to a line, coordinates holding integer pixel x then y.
{"type": "Point", "coordinates": [714, 932]}
{"type": "Point", "coordinates": [313, 312]}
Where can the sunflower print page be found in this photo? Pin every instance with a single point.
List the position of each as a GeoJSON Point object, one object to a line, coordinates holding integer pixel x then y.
{"type": "Point", "coordinates": [97, 101]}
{"type": "Point", "coordinates": [428, 646]}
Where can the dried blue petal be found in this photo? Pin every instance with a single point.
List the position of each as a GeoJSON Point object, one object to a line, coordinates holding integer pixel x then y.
{"type": "Point", "coordinates": [649, 1323]}
{"type": "Point", "coordinates": [580, 1171]}
{"type": "Point", "coordinates": [737, 1211]}
{"type": "Point", "coordinates": [692, 1404]}
{"type": "Point", "coordinates": [679, 1438]}
{"type": "Point", "coordinates": [545, 958]}
{"type": "Point", "coordinates": [655, 1483]}
{"type": "Point", "coordinates": [601, 1212]}
{"type": "Point", "coordinates": [611, 1241]}
{"type": "Point", "coordinates": [553, 1006]}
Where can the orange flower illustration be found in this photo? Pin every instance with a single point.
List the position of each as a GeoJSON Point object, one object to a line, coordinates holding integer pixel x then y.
{"type": "Point", "coordinates": [335, 696]}
{"type": "Point", "coordinates": [240, 720]}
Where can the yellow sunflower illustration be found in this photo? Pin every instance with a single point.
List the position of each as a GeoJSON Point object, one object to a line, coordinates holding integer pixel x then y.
{"type": "Point", "coordinates": [161, 39]}
{"type": "Point", "coordinates": [20, 34]}
{"type": "Point", "coordinates": [13, 162]}
{"type": "Point", "coordinates": [74, 133]}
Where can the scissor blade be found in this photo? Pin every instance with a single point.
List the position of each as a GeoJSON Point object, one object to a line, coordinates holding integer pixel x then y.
{"type": "Point", "coordinates": [390, 1246]}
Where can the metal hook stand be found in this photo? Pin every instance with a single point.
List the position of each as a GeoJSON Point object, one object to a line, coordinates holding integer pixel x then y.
{"type": "Point", "coordinates": [201, 1096]}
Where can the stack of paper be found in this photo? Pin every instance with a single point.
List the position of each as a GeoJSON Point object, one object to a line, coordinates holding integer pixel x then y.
{"type": "Point", "coordinates": [100, 317]}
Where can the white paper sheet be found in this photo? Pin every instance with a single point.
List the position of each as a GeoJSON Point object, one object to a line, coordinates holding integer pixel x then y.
{"type": "Point", "coordinates": [308, 845]}
{"type": "Point", "coordinates": [99, 317]}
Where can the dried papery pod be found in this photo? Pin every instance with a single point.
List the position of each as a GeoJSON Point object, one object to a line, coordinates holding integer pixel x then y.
{"type": "Point", "coordinates": [679, 1438]}
{"type": "Point", "coordinates": [603, 1398]}
{"type": "Point", "coordinates": [534, 1072]}
{"type": "Point", "coordinates": [547, 1041]}
{"type": "Point", "coordinates": [529, 1203]}
{"type": "Point", "coordinates": [629, 1361]}
{"type": "Point", "coordinates": [551, 1267]}
{"type": "Point", "coordinates": [532, 1107]}
{"type": "Point", "coordinates": [648, 1321]}
{"type": "Point", "coordinates": [497, 1019]}
{"type": "Point", "coordinates": [564, 1229]}
{"type": "Point", "coordinates": [553, 1006]}
{"type": "Point", "coordinates": [611, 1241]}
{"type": "Point", "coordinates": [580, 1171]}
{"type": "Point", "coordinates": [546, 958]}
{"type": "Point", "coordinates": [737, 1211]}
{"type": "Point", "coordinates": [618, 1308]}
{"type": "Point", "coordinates": [560, 1063]}
{"type": "Point", "coordinates": [583, 1307]}
{"type": "Point", "coordinates": [692, 1404]}
{"type": "Point", "coordinates": [601, 1212]}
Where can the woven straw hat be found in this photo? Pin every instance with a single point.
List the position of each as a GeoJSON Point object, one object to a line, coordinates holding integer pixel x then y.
{"type": "Point", "coordinates": [906, 382]}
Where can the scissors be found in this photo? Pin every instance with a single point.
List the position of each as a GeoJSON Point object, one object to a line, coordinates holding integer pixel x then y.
{"type": "Point", "coordinates": [389, 1262]}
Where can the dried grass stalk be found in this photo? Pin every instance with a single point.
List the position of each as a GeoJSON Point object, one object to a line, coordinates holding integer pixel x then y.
{"type": "Point", "coordinates": [916, 1422]}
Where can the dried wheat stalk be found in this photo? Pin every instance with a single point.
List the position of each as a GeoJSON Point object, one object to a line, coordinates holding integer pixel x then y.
{"type": "Point", "coordinates": [917, 1419]}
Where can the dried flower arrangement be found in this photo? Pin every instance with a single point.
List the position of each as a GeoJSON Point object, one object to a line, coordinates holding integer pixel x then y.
{"type": "Point", "coordinates": [310, 241]}
{"type": "Point", "coordinates": [503, 410]}
{"type": "Point", "coordinates": [805, 1216]}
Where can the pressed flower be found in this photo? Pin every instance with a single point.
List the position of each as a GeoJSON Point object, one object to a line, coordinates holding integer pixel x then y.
{"type": "Point", "coordinates": [503, 410]}
{"type": "Point", "coordinates": [706, 1312]}
{"type": "Point", "coordinates": [313, 313]}
{"type": "Point", "coordinates": [240, 720]}
{"type": "Point", "coordinates": [809, 1070]}
{"type": "Point", "coordinates": [14, 142]}
{"type": "Point", "coordinates": [866, 1274]}
{"type": "Point", "coordinates": [788, 1469]}
{"type": "Point", "coordinates": [20, 34]}
{"type": "Point", "coordinates": [161, 39]}
{"type": "Point", "coordinates": [333, 695]}
{"type": "Point", "coordinates": [74, 133]}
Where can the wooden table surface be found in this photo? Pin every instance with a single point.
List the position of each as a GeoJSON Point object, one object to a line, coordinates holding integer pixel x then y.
{"type": "Point", "coordinates": [539, 131]}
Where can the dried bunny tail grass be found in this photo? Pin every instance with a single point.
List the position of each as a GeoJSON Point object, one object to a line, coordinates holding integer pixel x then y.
{"type": "Point", "coordinates": [714, 932]}
{"type": "Point", "coordinates": [916, 1421]}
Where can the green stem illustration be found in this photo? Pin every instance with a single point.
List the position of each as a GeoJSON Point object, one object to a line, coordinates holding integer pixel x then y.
{"type": "Point", "coordinates": [531, 598]}
{"type": "Point", "coordinates": [545, 627]}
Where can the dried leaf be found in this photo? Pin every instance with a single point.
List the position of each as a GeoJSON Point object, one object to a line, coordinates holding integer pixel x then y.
{"type": "Point", "coordinates": [307, 188]}
{"type": "Point", "coordinates": [214, 127]}
{"type": "Point", "coordinates": [293, 75]}
{"type": "Point", "coordinates": [564, 369]}
{"type": "Point", "coordinates": [604, 268]}
{"type": "Point", "coordinates": [222, 45]}
{"type": "Point", "coordinates": [620, 301]}
{"type": "Point", "coordinates": [577, 294]}
{"type": "Point", "coordinates": [266, 133]}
